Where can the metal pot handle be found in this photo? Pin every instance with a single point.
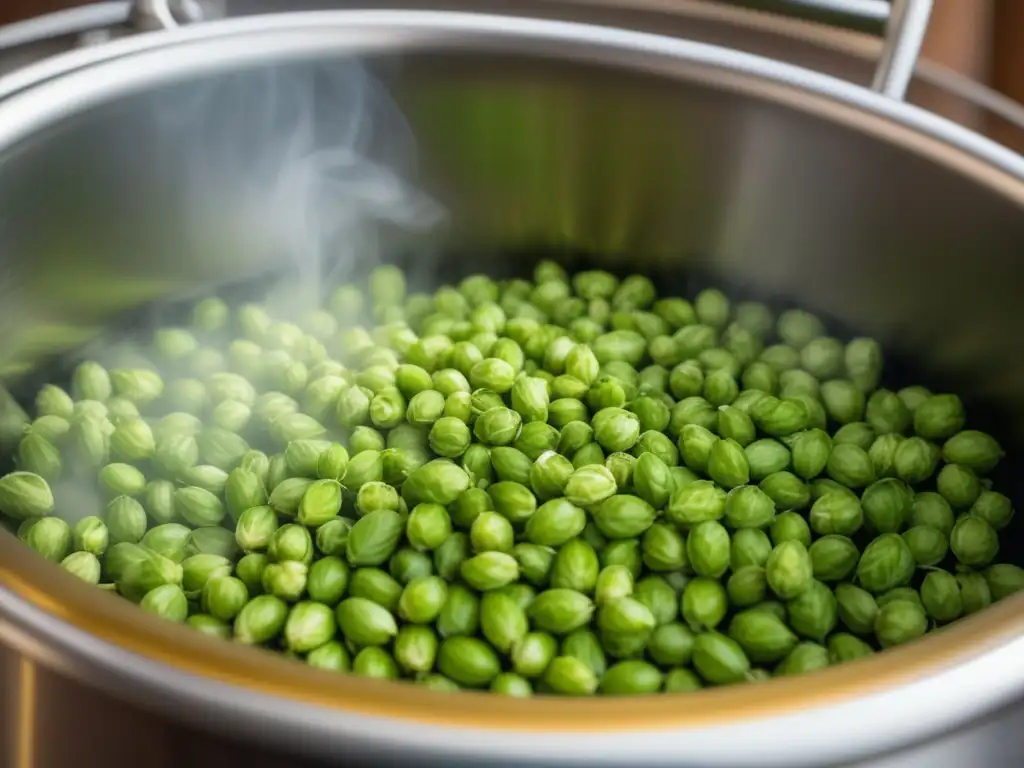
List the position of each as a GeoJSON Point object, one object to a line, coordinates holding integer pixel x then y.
{"type": "Point", "coordinates": [906, 22]}
{"type": "Point", "coordinates": [904, 34]}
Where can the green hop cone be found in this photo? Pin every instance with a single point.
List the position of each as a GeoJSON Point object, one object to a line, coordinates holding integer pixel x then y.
{"type": "Point", "coordinates": [747, 586]}
{"type": "Point", "coordinates": [749, 547]}
{"type": "Point", "coordinates": [320, 503]}
{"type": "Point", "coordinates": [620, 464]}
{"type": "Point", "coordinates": [90, 534]}
{"type": "Point", "coordinates": [928, 545]}
{"type": "Point", "coordinates": [126, 520]}
{"type": "Point", "coordinates": [449, 437]}
{"type": "Point", "coordinates": [994, 508]}
{"type": "Point", "coordinates": [843, 400]}
{"type": "Point", "coordinates": [428, 526]}
{"type": "Point", "coordinates": [727, 464]}
{"type": "Point", "coordinates": [887, 413]}
{"type": "Point", "coordinates": [133, 440]}
{"type": "Point", "coordinates": [900, 621]}
{"type": "Point", "coordinates": [332, 462]}
{"type": "Point", "coordinates": [845, 647]}
{"type": "Point", "coordinates": [975, 450]}
{"type": "Point", "coordinates": [695, 445]}
{"type": "Point", "coordinates": [695, 503]}
{"type": "Point", "coordinates": [489, 570]}
{"type": "Point", "coordinates": [975, 593]}
{"type": "Point", "coordinates": [850, 466]}
{"type": "Point", "coordinates": [786, 490]}
{"type": "Point", "coordinates": [838, 512]}
{"type": "Point", "coordinates": [261, 620]}
{"type": "Point", "coordinates": [438, 482]}
{"type": "Point", "coordinates": [560, 611]}
{"type": "Point", "coordinates": [930, 508]}
{"type": "Point", "coordinates": [764, 637]}
{"type": "Point", "coordinates": [374, 538]}
{"type": "Point", "coordinates": [719, 659]}
{"type": "Point", "coordinates": [704, 603]}
{"type": "Point", "coordinates": [621, 516]}
{"type": "Point", "coordinates": [814, 613]}
{"type": "Point", "coordinates": [90, 381]}
{"type": "Point", "coordinates": [765, 457]}
{"type": "Point", "coordinates": [224, 597]}
{"type": "Point", "coordinates": [365, 623]}
{"type": "Point", "coordinates": [1004, 579]}
{"type": "Point", "coordinates": [122, 479]}
{"type": "Point", "coordinates": [38, 455]}
{"type": "Point", "coordinates": [886, 562]}
{"type": "Point", "coordinates": [530, 398]}
{"type": "Point", "coordinates": [84, 565]}
{"type": "Point", "coordinates": [810, 453]}
{"type": "Point", "coordinates": [707, 549]}
{"type": "Point", "coordinates": [940, 596]}
{"type": "Point", "coordinates": [974, 542]}
{"type": "Point", "coordinates": [887, 505]}
{"type": "Point", "coordinates": [415, 648]}
{"type": "Point", "coordinates": [663, 548]}
{"type": "Point", "coordinates": [49, 537]}
{"type": "Point", "coordinates": [804, 658]}
{"type": "Point", "coordinates": [856, 608]}
{"type": "Point", "coordinates": [616, 429]}
{"type": "Point", "coordinates": [789, 570]}
{"type": "Point", "coordinates": [255, 528]}
{"type": "Point", "coordinates": [939, 417]}
{"type": "Point", "coordinates": [24, 495]}
{"type": "Point", "coordinates": [328, 580]}
{"type": "Point", "coordinates": [422, 599]}
{"type": "Point", "coordinates": [790, 526]}
{"type": "Point", "coordinates": [198, 506]}
{"type": "Point", "coordinates": [748, 507]}
{"type": "Point", "coordinates": [148, 571]}
{"type": "Point", "coordinates": [590, 485]}
{"type": "Point", "coordinates": [959, 485]}
{"type": "Point", "coordinates": [468, 661]}
{"type": "Point", "coordinates": [652, 480]}
{"type": "Point", "coordinates": [139, 385]}
{"type": "Point", "coordinates": [833, 557]}
{"type": "Point", "coordinates": [332, 536]}
{"type": "Point", "coordinates": [503, 623]}
{"type": "Point", "coordinates": [166, 601]}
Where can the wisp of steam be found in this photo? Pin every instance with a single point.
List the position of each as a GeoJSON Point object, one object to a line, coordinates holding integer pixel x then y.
{"type": "Point", "coordinates": [319, 153]}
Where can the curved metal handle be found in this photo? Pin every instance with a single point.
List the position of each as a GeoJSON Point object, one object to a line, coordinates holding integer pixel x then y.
{"type": "Point", "coordinates": [906, 22]}
{"type": "Point", "coordinates": [904, 34]}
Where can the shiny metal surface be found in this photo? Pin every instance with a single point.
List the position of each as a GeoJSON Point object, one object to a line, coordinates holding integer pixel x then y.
{"type": "Point", "coordinates": [797, 183]}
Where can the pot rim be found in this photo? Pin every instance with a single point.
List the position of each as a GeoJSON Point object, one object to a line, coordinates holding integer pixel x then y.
{"type": "Point", "coordinates": [945, 678]}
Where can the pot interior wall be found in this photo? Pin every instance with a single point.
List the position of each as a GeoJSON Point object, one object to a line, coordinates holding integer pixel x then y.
{"type": "Point", "coordinates": [177, 189]}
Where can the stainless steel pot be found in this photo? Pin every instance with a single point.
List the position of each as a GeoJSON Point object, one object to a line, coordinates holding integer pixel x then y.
{"type": "Point", "coordinates": [665, 153]}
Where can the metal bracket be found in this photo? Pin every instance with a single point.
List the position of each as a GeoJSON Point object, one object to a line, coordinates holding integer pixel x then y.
{"type": "Point", "coordinates": [904, 34]}
{"type": "Point", "coordinates": [149, 15]}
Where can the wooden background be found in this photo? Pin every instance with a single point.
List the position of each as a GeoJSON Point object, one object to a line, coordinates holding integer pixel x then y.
{"type": "Point", "coordinates": [981, 38]}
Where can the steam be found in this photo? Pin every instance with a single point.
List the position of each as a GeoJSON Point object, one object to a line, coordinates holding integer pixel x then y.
{"type": "Point", "coordinates": [312, 157]}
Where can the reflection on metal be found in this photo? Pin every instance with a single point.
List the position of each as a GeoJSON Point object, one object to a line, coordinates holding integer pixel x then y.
{"type": "Point", "coordinates": [25, 733]}
{"type": "Point", "coordinates": [876, 10]}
